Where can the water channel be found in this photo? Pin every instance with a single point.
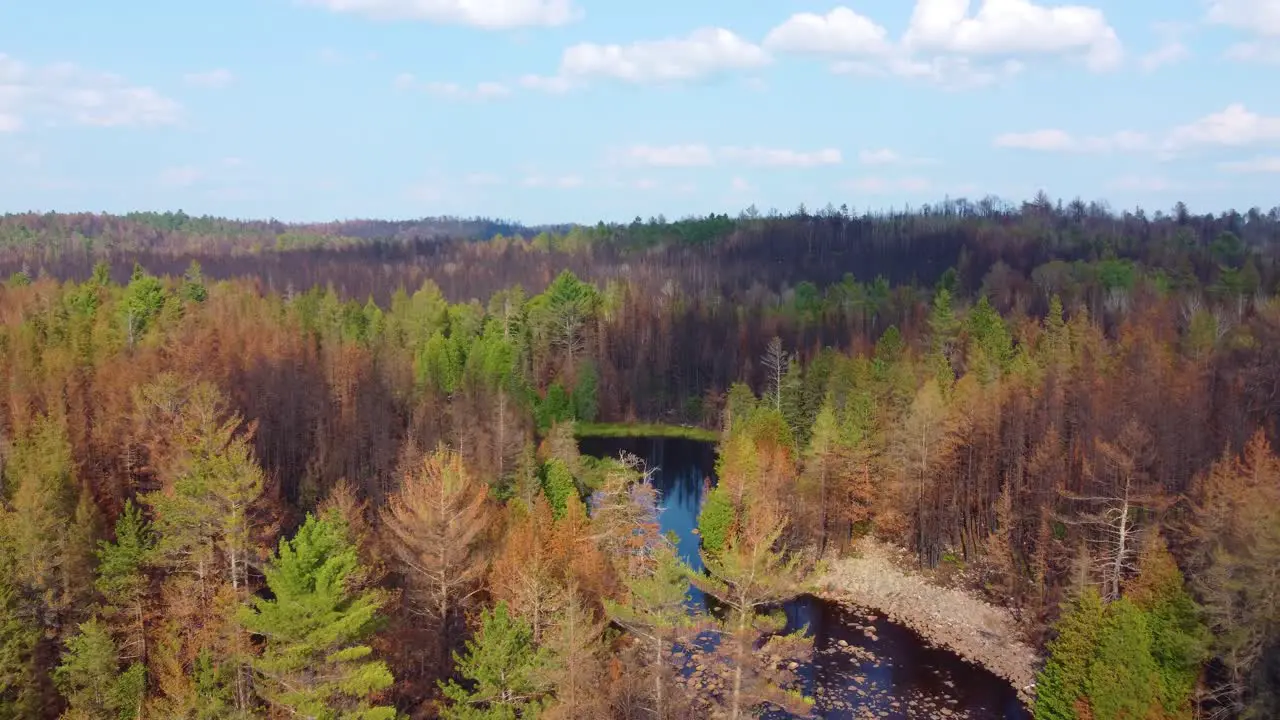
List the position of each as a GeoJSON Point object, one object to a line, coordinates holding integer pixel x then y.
{"type": "Point", "coordinates": [864, 666]}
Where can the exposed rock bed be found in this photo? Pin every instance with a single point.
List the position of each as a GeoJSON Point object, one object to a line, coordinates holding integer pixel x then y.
{"type": "Point", "coordinates": [975, 630]}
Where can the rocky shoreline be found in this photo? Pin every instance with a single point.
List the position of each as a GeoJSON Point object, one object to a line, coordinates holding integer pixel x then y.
{"type": "Point", "coordinates": [975, 630]}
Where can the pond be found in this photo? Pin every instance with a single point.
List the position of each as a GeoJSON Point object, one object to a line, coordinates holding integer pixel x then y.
{"type": "Point", "coordinates": [864, 666]}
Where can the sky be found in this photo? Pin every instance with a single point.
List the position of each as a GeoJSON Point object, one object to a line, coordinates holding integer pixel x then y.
{"type": "Point", "coordinates": [581, 110]}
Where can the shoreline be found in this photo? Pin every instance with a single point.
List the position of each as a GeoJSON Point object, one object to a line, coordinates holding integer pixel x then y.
{"type": "Point", "coordinates": [973, 629]}
{"type": "Point", "coordinates": [616, 430]}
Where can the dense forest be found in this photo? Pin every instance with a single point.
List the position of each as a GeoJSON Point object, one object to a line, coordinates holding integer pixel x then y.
{"type": "Point", "coordinates": [253, 469]}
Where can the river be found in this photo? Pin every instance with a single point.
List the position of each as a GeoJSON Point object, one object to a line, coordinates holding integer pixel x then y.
{"type": "Point", "coordinates": [864, 666]}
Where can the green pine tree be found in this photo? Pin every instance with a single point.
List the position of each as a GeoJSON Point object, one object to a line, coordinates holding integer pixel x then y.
{"type": "Point", "coordinates": [654, 611]}
{"type": "Point", "coordinates": [122, 580]}
{"type": "Point", "coordinates": [506, 676]}
{"type": "Point", "coordinates": [17, 639]}
{"type": "Point", "coordinates": [91, 681]}
{"type": "Point", "coordinates": [313, 662]}
{"type": "Point", "coordinates": [1062, 684]}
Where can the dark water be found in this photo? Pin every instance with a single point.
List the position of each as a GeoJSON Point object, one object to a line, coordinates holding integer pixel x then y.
{"type": "Point", "coordinates": [864, 666]}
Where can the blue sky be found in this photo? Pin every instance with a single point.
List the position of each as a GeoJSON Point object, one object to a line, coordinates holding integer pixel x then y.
{"type": "Point", "coordinates": [579, 110]}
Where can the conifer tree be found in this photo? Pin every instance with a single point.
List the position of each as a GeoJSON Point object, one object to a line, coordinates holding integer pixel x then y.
{"type": "Point", "coordinates": [655, 611]}
{"type": "Point", "coordinates": [91, 681]}
{"type": "Point", "coordinates": [17, 640]}
{"type": "Point", "coordinates": [314, 663]}
{"type": "Point", "coordinates": [1062, 685]}
{"type": "Point", "coordinates": [434, 526]}
{"type": "Point", "coordinates": [122, 579]}
{"type": "Point", "coordinates": [575, 664]}
{"type": "Point", "coordinates": [752, 572]}
{"type": "Point", "coordinates": [505, 674]}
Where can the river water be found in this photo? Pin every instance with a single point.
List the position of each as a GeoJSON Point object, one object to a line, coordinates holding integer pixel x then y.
{"type": "Point", "coordinates": [864, 666]}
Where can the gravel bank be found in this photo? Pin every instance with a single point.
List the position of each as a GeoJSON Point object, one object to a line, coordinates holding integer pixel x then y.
{"type": "Point", "coordinates": [975, 630]}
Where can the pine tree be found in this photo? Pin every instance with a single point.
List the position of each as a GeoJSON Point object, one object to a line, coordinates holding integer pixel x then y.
{"type": "Point", "coordinates": [1179, 640]}
{"type": "Point", "coordinates": [1062, 685]}
{"type": "Point", "coordinates": [434, 527]}
{"type": "Point", "coordinates": [314, 663]}
{"type": "Point", "coordinates": [654, 611]}
{"type": "Point", "coordinates": [751, 573]}
{"type": "Point", "coordinates": [17, 640]}
{"type": "Point", "coordinates": [91, 681]}
{"type": "Point", "coordinates": [1123, 680]}
{"type": "Point", "coordinates": [506, 674]}
{"type": "Point", "coordinates": [122, 579]}
{"type": "Point", "coordinates": [576, 659]}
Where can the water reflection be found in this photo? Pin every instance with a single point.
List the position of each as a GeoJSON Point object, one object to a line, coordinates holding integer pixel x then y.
{"type": "Point", "coordinates": [863, 666]}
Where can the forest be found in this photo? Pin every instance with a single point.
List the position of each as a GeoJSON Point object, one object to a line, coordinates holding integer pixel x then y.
{"type": "Point", "coordinates": [255, 469]}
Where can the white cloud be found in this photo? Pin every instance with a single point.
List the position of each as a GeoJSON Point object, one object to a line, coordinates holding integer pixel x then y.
{"type": "Point", "coordinates": [480, 91]}
{"type": "Point", "coordinates": [946, 71]}
{"type": "Point", "coordinates": [704, 53]}
{"type": "Point", "coordinates": [1235, 126]}
{"type": "Point", "coordinates": [645, 184]}
{"type": "Point", "coordinates": [66, 93]}
{"type": "Point", "coordinates": [839, 32]}
{"type": "Point", "coordinates": [1143, 183]}
{"type": "Point", "coordinates": [773, 157]}
{"type": "Point", "coordinates": [698, 155]}
{"type": "Point", "coordinates": [213, 79]}
{"type": "Point", "coordinates": [180, 177]}
{"type": "Point", "coordinates": [1259, 16]}
{"type": "Point", "coordinates": [1260, 51]}
{"type": "Point", "coordinates": [1055, 140]}
{"type": "Point", "coordinates": [873, 184]}
{"type": "Point", "coordinates": [1014, 27]}
{"type": "Point", "coordinates": [482, 179]}
{"type": "Point", "coordinates": [554, 84]}
{"type": "Point", "coordinates": [669, 155]}
{"type": "Point", "coordinates": [488, 14]}
{"type": "Point", "coordinates": [562, 181]}
{"type": "Point", "coordinates": [885, 156]}
{"type": "Point", "coordinates": [740, 184]}
{"type": "Point", "coordinates": [1256, 165]}
{"type": "Point", "coordinates": [1167, 54]}
{"type": "Point", "coordinates": [1171, 49]}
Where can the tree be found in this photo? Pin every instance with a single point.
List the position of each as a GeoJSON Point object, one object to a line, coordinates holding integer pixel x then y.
{"type": "Point", "coordinates": [91, 681]}
{"type": "Point", "coordinates": [1123, 680]}
{"type": "Point", "coordinates": [654, 610]}
{"type": "Point", "coordinates": [1179, 639]}
{"type": "Point", "coordinates": [576, 653]}
{"type": "Point", "coordinates": [434, 527]}
{"type": "Point", "coordinates": [1236, 550]}
{"type": "Point", "coordinates": [775, 365]}
{"type": "Point", "coordinates": [1062, 685]}
{"type": "Point", "coordinates": [142, 301]}
{"type": "Point", "coordinates": [753, 572]}
{"type": "Point", "coordinates": [18, 638]}
{"type": "Point", "coordinates": [203, 513]}
{"type": "Point", "coordinates": [314, 663]}
{"type": "Point", "coordinates": [506, 675]}
{"type": "Point", "coordinates": [123, 582]}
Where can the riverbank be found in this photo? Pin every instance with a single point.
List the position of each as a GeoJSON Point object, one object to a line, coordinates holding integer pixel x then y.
{"type": "Point", "coordinates": [975, 630]}
{"type": "Point", "coordinates": [617, 430]}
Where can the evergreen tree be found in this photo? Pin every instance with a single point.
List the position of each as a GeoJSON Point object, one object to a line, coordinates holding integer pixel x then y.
{"type": "Point", "coordinates": [122, 579]}
{"type": "Point", "coordinates": [17, 640]}
{"type": "Point", "coordinates": [1123, 681]}
{"type": "Point", "coordinates": [654, 610]}
{"type": "Point", "coordinates": [1062, 685]}
{"type": "Point", "coordinates": [753, 572]}
{"type": "Point", "coordinates": [91, 681]}
{"type": "Point", "coordinates": [506, 676]}
{"type": "Point", "coordinates": [314, 663]}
